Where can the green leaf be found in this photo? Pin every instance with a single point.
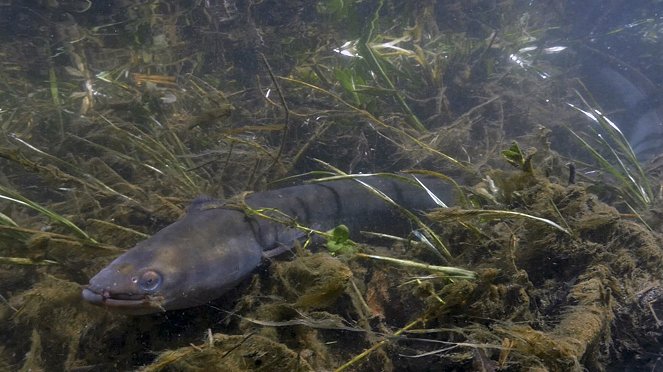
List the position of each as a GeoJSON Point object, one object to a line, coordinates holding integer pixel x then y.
{"type": "Point", "coordinates": [339, 241]}
{"type": "Point", "coordinates": [516, 157]}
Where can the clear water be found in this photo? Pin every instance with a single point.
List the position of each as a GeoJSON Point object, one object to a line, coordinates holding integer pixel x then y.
{"type": "Point", "coordinates": [115, 114]}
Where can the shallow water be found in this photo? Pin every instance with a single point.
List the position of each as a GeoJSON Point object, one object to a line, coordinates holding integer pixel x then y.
{"type": "Point", "coordinates": [116, 114]}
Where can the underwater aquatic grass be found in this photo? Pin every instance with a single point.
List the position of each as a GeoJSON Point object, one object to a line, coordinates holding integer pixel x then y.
{"type": "Point", "coordinates": [22, 261]}
{"type": "Point", "coordinates": [6, 220]}
{"type": "Point", "coordinates": [370, 65]}
{"type": "Point", "coordinates": [166, 161]}
{"type": "Point", "coordinates": [63, 171]}
{"type": "Point", "coordinates": [118, 154]}
{"type": "Point", "coordinates": [456, 213]}
{"type": "Point", "coordinates": [460, 193]}
{"type": "Point", "coordinates": [55, 93]}
{"type": "Point", "coordinates": [375, 65]}
{"type": "Point", "coordinates": [448, 271]}
{"type": "Point", "coordinates": [634, 189]}
{"type": "Point", "coordinates": [381, 124]}
{"type": "Point", "coordinates": [358, 358]}
{"type": "Point", "coordinates": [388, 70]}
{"type": "Point", "coordinates": [621, 161]}
{"type": "Point", "coordinates": [9, 227]}
{"type": "Point", "coordinates": [15, 197]}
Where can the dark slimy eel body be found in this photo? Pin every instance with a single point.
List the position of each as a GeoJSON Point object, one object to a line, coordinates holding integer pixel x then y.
{"type": "Point", "coordinates": [212, 248]}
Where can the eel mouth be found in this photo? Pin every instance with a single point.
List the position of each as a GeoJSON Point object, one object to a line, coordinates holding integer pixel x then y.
{"type": "Point", "coordinates": [133, 304]}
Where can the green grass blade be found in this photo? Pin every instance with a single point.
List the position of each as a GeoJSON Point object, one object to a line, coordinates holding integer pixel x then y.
{"type": "Point", "coordinates": [18, 199]}
{"type": "Point", "coordinates": [450, 271]}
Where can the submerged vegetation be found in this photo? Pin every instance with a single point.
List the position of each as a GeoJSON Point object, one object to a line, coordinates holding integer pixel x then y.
{"type": "Point", "coordinates": [114, 116]}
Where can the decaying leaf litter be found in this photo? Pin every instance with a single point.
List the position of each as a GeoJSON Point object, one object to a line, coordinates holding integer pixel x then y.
{"type": "Point", "coordinates": [115, 123]}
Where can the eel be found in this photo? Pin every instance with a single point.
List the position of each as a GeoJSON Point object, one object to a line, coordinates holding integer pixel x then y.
{"type": "Point", "coordinates": [216, 245]}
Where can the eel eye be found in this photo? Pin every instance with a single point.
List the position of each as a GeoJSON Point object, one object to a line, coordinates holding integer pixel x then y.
{"type": "Point", "coordinates": [150, 280]}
